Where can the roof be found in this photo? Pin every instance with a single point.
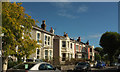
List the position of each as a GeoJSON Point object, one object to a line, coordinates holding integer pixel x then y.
{"type": "Point", "coordinates": [41, 30]}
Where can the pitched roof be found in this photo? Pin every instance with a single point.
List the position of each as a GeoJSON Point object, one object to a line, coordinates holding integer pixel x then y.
{"type": "Point", "coordinates": [41, 30]}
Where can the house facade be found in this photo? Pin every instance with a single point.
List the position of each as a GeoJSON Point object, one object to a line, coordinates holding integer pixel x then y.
{"type": "Point", "coordinates": [63, 49]}
{"type": "Point", "coordinates": [44, 38]}
{"type": "Point", "coordinates": [83, 50]}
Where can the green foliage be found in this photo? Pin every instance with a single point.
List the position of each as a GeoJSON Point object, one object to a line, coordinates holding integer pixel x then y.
{"type": "Point", "coordinates": [73, 61]}
{"type": "Point", "coordinates": [11, 64]}
{"type": "Point", "coordinates": [98, 49]}
{"type": "Point", "coordinates": [17, 26]}
{"type": "Point", "coordinates": [110, 42]}
{"type": "Point", "coordinates": [97, 57]}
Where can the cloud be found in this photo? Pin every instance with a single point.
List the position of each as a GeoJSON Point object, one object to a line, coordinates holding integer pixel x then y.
{"type": "Point", "coordinates": [95, 36]}
{"type": "Point", "coordinates": [62, 4]}
{"type": "Point", "coordinates": [82, 8]}
{"type": "Point", "coordinates": [67, 15]}
{"type": "Point", "coordinates": [68, 9]}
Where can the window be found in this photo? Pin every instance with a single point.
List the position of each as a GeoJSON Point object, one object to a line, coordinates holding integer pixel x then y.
{"type": "Point", "coordinates": [63, 43]}
{"type": "Point", "coordinates": [45, 39]}
{"type": "Point", "coordinates": [80, 48]}
{"type": "Point", "coordinates": [38, 37]}
{"type": "Point", "coordinates": [71, 45]}
{"type": "Point", "coordinates": [46, 54]}
{"type": "Point", "coordinates": [37, 57]}
{"type": "Point", "coordinates": [50, 54]}
{"type": "Point", "coordinates": [48, 40]}
{"type": "Point", "coordinates": [77, 47]}
{"type": "Point", "coordinates": [63, 56]}
{"type": "Point", "coordinates": [90, 49]}
{"type": "Point", "coordinates": [49, 67]}
{"type": "Point", "coordinates": [90, 57]}
{"type": "Point", "coordinates": [71, 55]}
{"type": "Point", "coordinates": [68, 44]}
{"type": "Point", "coordinates": [38, 51]}
{"type": "Point", "coordinates": [42, 67]}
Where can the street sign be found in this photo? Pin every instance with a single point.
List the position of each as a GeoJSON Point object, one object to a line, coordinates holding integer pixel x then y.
{"type": "Point", "coordinates": [26, 66]}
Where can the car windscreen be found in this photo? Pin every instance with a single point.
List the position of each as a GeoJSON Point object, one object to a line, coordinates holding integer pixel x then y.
{"type": "Point", "coordinates": [82, 63]}
{"type": "Point", "coordinates": [25, 66]}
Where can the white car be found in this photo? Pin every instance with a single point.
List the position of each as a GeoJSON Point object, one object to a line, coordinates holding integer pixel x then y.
{"type": "Point", "coordinates": [34, 67]}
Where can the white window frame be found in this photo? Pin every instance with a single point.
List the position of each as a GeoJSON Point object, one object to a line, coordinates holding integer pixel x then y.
{"type": "Point", "coordinates": [47, 40]}
{"type": "Point", "coordinates": [37, 36]}
{"type": "Point", "coordinates": [76, 47]}
{"type": "Point", "coordinates": [62, 44]}
{"type": "Point", "coordinates": [50, 55]}
{"type": "Point", "coordinates": [45, 54]}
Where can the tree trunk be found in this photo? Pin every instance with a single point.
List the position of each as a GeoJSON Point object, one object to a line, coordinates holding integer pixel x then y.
{"type": "Point", "coordinates": [19, 59]}
{"type": "Point", "coordinates": [111, 58]}
{"type": "Point", "coordinates": [5, 63]}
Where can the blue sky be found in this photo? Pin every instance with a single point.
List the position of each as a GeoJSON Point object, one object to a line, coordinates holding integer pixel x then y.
{"type": "Point", "coordinates": [89, 20]}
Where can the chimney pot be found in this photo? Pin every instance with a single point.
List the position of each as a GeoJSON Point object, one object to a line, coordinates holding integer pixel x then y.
{"type": "Point", "coordinates": [43, 22]}
{"type": "Point", "coordinates": [66, 35]}
{"type": "Point", "coordinates": [51, 28]}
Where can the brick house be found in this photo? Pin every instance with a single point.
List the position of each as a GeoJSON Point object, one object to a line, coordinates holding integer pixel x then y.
{"type": "Point", "coordinates": [83, 50]}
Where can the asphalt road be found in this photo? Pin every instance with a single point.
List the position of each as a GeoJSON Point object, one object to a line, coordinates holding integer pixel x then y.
{"type": "Point", "coordinates": [107, 69]}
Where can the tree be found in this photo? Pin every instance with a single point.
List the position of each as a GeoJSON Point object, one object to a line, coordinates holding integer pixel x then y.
{"type": "Point", "coordinates": [110, 44]}
{"type": "Point", "coordinates": [16, 26]}
{"type": "Point", "coordinates": [97, 57]}
{"type": "Point", "coordinates": [100, 51]}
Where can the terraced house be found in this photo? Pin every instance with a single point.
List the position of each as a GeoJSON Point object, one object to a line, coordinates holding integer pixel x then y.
{"type": "Point", "coordinates": [63, 49]}
{"type": "Point", "coordinates": [83, 50]}
{"type": "Point", "coordinates": [66, 48]}
{"type": "Point", "coordinates": [46, 47]}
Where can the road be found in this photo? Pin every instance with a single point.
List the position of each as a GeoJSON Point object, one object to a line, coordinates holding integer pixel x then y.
{"type": "Point", "coordinates": [107, 69]}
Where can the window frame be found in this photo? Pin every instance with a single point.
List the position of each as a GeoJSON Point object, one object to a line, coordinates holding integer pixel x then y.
{"type": "Point", "coordinates": [63, 43]}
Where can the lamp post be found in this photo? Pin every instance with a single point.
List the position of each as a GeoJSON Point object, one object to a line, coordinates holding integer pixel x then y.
{"type": "Point", "coordinates": [1, 35]}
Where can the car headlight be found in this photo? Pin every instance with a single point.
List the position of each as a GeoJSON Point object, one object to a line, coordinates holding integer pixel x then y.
{"type": "Point", "coordinates": [84, 67]}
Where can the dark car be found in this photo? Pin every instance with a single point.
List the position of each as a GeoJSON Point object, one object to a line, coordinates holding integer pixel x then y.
{"type": "Point", "coordinates": [82, 66]}
{"type": "Point", "coordinates": [101, 64]}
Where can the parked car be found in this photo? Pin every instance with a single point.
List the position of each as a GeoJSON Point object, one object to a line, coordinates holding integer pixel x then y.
{"type": "Point", "coordinates": [118, 65]}
{"type": "Point", "coordinates": [101, 64]}
{"type": "Point", "coordinates": [114, 64]}
{"type": "Point", "coordinates": [32, 60]}
{"type": "Point", "coordinates": [34, 67]}
{"type": "Point", "coordinates": [82, 66]}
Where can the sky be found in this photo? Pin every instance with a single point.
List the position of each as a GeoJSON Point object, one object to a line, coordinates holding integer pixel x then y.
{"type": "Point", "coordinates": [89, 20]}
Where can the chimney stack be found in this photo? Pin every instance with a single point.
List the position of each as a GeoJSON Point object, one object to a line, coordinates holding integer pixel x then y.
{"type": "Point", "coordinates": [87, 42]}
{"type": "Point", "coordinates": [65, 34]}
{"type": "Point", "coordinates": [43, 26]}
{"type": "Point", "coordinates": [79, 39]}
{"type": "Point", "coordinates": [52, 31]}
